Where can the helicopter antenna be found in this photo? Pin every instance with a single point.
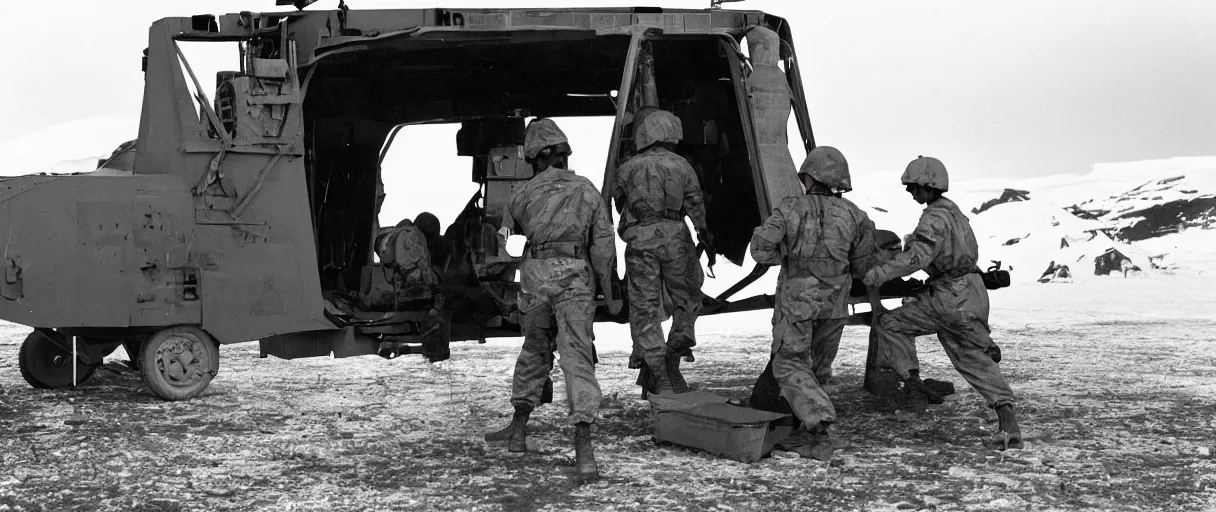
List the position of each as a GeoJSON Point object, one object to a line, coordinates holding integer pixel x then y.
{"type": "Point", "coordinates": [717, 4]}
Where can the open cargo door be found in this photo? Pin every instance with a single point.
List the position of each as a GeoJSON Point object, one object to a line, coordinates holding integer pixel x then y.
{"type": "Point", "coordinates": [734, 116]}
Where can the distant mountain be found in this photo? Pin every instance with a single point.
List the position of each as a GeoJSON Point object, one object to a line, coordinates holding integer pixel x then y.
{"type": "Point", "coordinates": [1153, 209]}
{"type": "Point", "coordinates": [1119, 216]}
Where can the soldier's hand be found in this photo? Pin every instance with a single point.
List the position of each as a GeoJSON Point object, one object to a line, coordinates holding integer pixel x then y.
{"type": "Point", "coordinates": [613, 295]}
{"type": "Point", "coordinates": [614, 306]}
{"type": "Point", "coordinates": [618, 288]}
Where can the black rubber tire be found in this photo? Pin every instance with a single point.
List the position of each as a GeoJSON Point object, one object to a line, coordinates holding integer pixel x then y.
{"type": "Point", "coordinates": [37, 361]}
{"type": "Point", "coordinates": [170, 376]}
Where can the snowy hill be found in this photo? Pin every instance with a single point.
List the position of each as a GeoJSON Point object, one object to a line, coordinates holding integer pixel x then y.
{"type": "Point", "coordinates": [69, 147]}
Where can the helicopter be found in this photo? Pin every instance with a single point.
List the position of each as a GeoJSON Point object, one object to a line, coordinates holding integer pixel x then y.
{"type": "Point", "coordinates": [251, 213]}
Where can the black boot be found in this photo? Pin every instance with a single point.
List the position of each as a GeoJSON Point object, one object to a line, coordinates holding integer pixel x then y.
{"type": "Point", "coordinates": [824, 447]}
{"type": "Point", "coordinates": [586, 469]}
{"type": "Point", "coordinates": [994, 352]}
{"type": "Point", "coordinates": [882, 382]}
{"type": "Point", "coordinates": [1009, 436]}
{"type": "Point", "coordinates": [660, 383]}
{"type": "Point", "coordinates": [812, 442]}
{"type": "Point", "coordinates": [516, 433]}
{"type": "Point", "coordinates": [914, 397]}
{"type": "Point", "coordinates": [546, 394]}
{"type": "Point", "coordinates": [645, 376]}
{"type": "Point", "coordinates": [938, 390]}
{"type": "Point", "coordinates": [655, 380]}
{"type": "Point", "coordinates": [678, 384]}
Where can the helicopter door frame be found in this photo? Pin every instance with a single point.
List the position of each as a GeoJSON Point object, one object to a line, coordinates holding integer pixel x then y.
{"type": "Point", "coordinates": [798, 99]}
{"type": "Point", "coordinates": [793, 76]}
{"type": "Point", "coordinates": [624, 96]}
{"type": "Point", "coordinates": [734, 57]}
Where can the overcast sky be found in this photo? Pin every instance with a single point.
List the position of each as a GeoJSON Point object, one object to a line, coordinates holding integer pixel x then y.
{"type": "Point", "coordinates": [991, 88]}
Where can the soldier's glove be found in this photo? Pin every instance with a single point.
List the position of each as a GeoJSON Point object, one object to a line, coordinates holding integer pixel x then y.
{"type": "Point", "coordinates": [705, 244]}
{"type": "Point", "coordinates": [618, 289]}
{"type": "Point", "coordinates": [614, 296]}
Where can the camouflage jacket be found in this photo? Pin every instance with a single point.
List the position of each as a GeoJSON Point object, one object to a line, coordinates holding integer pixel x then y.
{"type": "Point", "coordinates": [404, 249]}
{"type": "Point", "coordinates": [657, 185]}
{"type": "Point", "coordinates": [821, 242]}
{"type": "Point", "coordinates": [558, 206]}
{"type": "Point", "coordinates": [943, 245]}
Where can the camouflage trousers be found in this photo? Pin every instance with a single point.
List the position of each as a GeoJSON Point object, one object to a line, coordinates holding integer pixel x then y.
{"type": "Point", "coordinates": [824, 346]}
{"type": "Point", "coordinates": [795, 346]}
{"type": "Point", "coordinates": [964, 337]}
{"type": "Point", "coordinates": [661, 257]}
{"type": "Point", "coordinates": [557, 309]}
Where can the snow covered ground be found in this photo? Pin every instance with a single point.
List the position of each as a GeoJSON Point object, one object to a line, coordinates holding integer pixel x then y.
{"type": "Point", "coordinates": [1116, 381]}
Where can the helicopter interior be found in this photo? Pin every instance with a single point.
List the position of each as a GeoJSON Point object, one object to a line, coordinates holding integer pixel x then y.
{"type": "Point", "coordinates": [490, 84]}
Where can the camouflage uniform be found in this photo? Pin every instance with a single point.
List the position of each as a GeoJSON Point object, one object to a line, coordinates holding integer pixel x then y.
{"type": "Point", "coordinates": [570, 244]}
{"type": "Point", "coordinates": [820, 240]}
{"type": "Point", "coordinates": [653, 192]}
{"type": "Point", "coordinates": [405, 252]}
{"type": "Point", "coordinates": [404, 248]}
{"type": "Point", "coordinates": [955, 305]}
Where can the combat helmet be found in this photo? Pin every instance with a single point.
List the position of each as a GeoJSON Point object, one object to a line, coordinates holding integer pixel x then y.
{"type": "Point", "coordinates": [659, 126]}
{"type": "Point", "coordinates": [926, 171]}
{"type": "Point", "coordinates": [827, 165]}
{"type": "Point", "coordinates": [540, 134]}
{"type": "Point", "coordinates": [428, 223]}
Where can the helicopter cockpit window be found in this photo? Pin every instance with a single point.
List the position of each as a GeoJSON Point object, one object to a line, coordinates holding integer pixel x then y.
{"type": "Point", "coordinates": [242, 90]}
{"type": "Point", "coordinates": [210, 63]}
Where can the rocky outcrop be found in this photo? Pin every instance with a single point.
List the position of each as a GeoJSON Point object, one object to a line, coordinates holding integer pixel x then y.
{"type": "Point", "coordinates": [1153, 209]}
{"type": "Point", "coordinates": [1113, 261]}
{"type": "Point", "coordinates": [1171, 217]}
{"type": "Point", "coordinates": [1055, 272]}
{"type": "Point", "coordinates": [1008, 196]}
{"type": "Point", "coordinates": [1086, 214]}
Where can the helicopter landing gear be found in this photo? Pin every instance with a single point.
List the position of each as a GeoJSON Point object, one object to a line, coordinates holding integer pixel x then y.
{"type": "Point", "coordinates": [178, 363]}
{"type": "Point", "coordinates": [45, 360]}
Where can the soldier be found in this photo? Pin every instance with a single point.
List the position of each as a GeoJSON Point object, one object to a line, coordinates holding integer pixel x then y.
{"type": "Point", "coordinates": [429, 225]}
{"type": "Point", "coordinates": [820, 240]}
{"type": "Point", "coordinates": [404, 250]}
{"type": "Point", "coordinates": [405, 255]}
{"type": "Point", "coordinates": [570, 243]}
{"type": "Point", "coordinates": [653, 192]}
{"type": "Point", "coordinates": [955, 304]}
